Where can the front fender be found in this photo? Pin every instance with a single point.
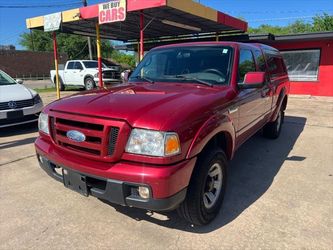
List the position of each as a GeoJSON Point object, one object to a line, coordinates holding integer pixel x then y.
{"type": "Point", "coordinates": [213, 126]}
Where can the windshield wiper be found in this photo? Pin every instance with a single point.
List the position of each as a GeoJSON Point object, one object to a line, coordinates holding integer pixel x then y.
{"type": "Point", "coordinates": [143, 78]}
{"type": "Point", "coordinates": [194, 79]}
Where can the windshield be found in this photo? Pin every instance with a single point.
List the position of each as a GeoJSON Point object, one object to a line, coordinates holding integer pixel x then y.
{"type": "Point", "coordinates": [210, 65]}
{"type": "Point", "coordinates": [92, 64]}
{"type": "Point", "coordinates": [6, 79]}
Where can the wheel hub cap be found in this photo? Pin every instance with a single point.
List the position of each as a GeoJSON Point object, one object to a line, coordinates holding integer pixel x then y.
{"type": "Point", "coordinates": [213, 185]}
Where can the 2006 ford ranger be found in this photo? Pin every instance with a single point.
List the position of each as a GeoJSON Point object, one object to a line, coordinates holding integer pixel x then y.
{"type": "Point", "coordinates": [163, 140]}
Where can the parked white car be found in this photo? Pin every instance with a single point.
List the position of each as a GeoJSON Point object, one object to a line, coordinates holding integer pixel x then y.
{"type": "Point", "coordinates": [85, 73]}
{"type": "Point", "coordinates": [18, 104]}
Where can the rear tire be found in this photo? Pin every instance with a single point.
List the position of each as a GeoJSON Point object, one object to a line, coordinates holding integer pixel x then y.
{"type": "Point", "coordinates": [206, 189]}
{"type": "Point", "coordinates": [89, 83]}
{"type": "Point", "coordinates": [272, 130]}
{"type": "Point", "coordinates": [61, 84]}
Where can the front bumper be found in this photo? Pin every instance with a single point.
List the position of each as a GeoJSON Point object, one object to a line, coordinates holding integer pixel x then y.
{"type": "Point", "coordinates": [107, 80]}
{"type": "Point", "coordinates": [115, 182]}
{"type": "Point", "coordinates": [114, 191]}
{"type": "Point", "coordinates": [30, 114]}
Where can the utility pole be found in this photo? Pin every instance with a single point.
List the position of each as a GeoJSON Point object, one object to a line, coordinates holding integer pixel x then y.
{"type": "Point", "coordinates": [89, 40]}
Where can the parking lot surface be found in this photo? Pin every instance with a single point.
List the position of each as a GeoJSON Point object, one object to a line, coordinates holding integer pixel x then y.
{"type": "Point", "coordinates": [279, 195]}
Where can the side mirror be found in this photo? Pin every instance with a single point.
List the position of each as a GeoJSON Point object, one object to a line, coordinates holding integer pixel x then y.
{"type": "Point", "coordinates": [253, 80]}
{"type": "Point", "coordinates": [19, 81]}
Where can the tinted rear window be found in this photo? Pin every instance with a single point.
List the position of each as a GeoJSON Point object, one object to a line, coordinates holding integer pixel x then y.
{"type": "Point", "coordinates": [275, 64]}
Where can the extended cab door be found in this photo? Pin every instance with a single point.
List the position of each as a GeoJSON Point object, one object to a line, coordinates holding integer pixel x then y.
{"type": "Point", "coordinates": [250, 102]}
{"type": "Point", "coordinates": [268, 88]}
{"type": "Point", "coordinates": [278, 75]}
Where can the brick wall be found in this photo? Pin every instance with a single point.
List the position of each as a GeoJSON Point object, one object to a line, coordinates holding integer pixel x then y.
{"type": "Point", "coordinates": [19, 63]}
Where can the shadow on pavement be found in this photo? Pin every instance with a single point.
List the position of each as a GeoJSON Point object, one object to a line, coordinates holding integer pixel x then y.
{"type": "Point", "coordinates": [17, 143]}
{"type": "Point", "coordinates": [251, 173]}
{"type": "Point", "coordinates": [19, 129]}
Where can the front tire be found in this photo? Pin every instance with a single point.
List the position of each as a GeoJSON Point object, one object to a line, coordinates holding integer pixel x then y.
{"type": "Point", "coordinates": [89, 83]}
{"type": "Point", "coordinates": [206, 190]}
{"type": "Point", "coordinates": [272, 130]}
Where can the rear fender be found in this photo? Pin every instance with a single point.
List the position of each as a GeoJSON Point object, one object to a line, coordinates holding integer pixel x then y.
{"type": "Point", "coordinates": [279, 103]}
{"type": "Point", "coordinates": [213, 126]}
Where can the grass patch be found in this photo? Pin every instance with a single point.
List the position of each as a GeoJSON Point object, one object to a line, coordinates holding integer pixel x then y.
{"type": "Point", "coordinates": [53, 89]}
{"type": "Point", "coordinates": [45, 90]}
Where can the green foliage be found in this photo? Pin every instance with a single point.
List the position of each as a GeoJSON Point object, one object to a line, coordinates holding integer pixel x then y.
{"type": "Point", "coordinates": [323, 23]}
{"type": "Point", "coordinates": [319, 23]}
{"type": "Point", "coordinates": [76, 47]}
{"type": "Point", "coordinates": [124, 59]}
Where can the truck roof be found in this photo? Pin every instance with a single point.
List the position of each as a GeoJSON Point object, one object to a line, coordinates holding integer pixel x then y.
{"type": "Point", "coordinates": [213, 43]}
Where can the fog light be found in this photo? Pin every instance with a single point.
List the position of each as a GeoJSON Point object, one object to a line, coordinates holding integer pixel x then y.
{"type": "Point", "coordinates": [144, 192]}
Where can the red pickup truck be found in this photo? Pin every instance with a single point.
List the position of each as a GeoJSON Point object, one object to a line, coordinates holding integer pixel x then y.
{"type": "Point", "coordinates": [163, 140]}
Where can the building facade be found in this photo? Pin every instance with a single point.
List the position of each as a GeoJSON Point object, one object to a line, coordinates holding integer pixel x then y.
{"type": "Point", "coordinates": [309, 61]}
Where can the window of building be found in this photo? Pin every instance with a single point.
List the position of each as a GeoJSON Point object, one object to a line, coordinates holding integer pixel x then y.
{"type": "Point", "coordinates": [302, 65]}
{"type": "Point", "coordinates": [246, 64]}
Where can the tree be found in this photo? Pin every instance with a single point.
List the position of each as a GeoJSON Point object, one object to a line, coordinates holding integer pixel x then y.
{"type": "Point", "coordinates": [75, 46]}
{"type": "Point", "coordinates": [319, 23]}
{"type": "Point", "coordinates": [323, 23]}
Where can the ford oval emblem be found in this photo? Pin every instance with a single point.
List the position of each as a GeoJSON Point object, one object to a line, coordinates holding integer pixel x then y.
{"type": "Point", "coordinates": [76, 136]}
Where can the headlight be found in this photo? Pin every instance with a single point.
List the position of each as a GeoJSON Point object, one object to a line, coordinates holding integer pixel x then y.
{"type": "Point", "coordinates": [37, 99]}
{"type": "Point", "coordinates": [43, 123]}
{"type": "Point", "coordinates": [153, 143]}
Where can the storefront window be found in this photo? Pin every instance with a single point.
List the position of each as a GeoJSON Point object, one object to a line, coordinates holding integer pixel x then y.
{"type": "Point", "coordinates": [302, 65]}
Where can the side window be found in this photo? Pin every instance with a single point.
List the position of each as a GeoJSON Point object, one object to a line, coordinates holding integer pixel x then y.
{"type": "Point", "coordinates": [246, 64]}
{"type": "Point", "coordinates": [70, 65]}
{"type": "Point", "coordinates": [260, 60]}
{"type": "Point", "coordinates": [275, 65]}
{"type": "Point", "coordinates": [78, 65]}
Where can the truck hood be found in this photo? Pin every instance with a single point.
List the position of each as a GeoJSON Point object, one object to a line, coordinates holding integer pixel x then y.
{"type": "Point", "coordinates": [15, 92]}
{"type": "Point", "coordinates": [143, 105]}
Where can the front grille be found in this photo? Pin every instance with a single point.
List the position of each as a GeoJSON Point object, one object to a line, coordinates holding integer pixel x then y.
{"type": "Point", "coordinates": [19, 104]}
{"type": "Point", "coordinates": [100, 140]}
{"type": "Point", "coordinates": [111, 75]}
{"type": "Point", "coordinates": [113, 140]}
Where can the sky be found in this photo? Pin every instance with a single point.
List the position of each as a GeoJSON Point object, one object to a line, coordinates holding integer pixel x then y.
{"type": "Point", "coordinates": [255, 12]}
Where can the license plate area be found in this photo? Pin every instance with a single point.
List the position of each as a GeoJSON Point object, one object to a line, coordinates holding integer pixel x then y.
{"type": "Point", "coordinates": [15, 114]}
{"type": "Point", "coordinates": [75, 181]}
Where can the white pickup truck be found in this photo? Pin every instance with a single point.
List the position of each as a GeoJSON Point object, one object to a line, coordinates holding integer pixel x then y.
{"type": "Point", "coordinates": [85, 73]}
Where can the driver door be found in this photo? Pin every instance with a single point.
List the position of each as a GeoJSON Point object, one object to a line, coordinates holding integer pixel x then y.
{"type": "Point", "coordinates": [250, 101]}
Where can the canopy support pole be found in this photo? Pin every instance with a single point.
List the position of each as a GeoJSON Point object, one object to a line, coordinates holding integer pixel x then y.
{"type": "Point", "coordinates": [99, 57]}
{"type": "Point", "coordinates": [141, 35]}
{"type": "Point", "coordinates": [55, 51]}
{"type": "Point", "coordinates": [217, 36]}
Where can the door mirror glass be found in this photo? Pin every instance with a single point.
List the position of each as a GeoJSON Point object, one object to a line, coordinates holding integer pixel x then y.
{"type": "Point", "coordinates": [253, 80]}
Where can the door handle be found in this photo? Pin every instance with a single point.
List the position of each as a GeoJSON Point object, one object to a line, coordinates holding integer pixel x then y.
{"type": "Point", "coordinates": [233, 110]}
